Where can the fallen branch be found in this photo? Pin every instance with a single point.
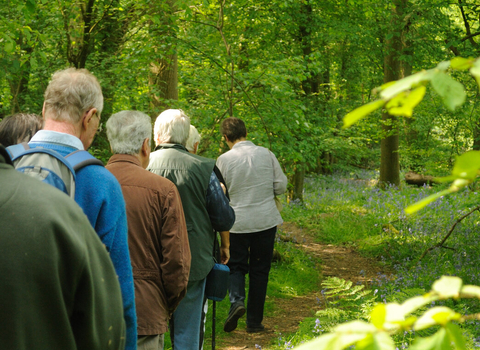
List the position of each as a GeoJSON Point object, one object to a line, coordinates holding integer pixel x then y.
{"type": "Point", "coordinates": [440, 245]}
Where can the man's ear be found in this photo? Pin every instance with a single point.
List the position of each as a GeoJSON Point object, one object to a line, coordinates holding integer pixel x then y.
{"type": "Point", "coordinates": [146, 147]}
{"type": "Point", "coordinates": [87, 117]}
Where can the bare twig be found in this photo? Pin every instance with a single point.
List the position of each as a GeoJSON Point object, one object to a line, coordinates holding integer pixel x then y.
{"type": "Point", "coordinates": [441, 244]}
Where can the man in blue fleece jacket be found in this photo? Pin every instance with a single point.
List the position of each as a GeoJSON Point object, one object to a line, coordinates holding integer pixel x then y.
{"type": "Point", "coordinates": [72, 108]}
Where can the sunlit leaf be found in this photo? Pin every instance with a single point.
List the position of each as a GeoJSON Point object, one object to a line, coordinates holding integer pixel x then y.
{"type": "Point", "coordinates": [475, 71]}
{"type": "Point", "coordinates": [361, 112]}
{"type": "Point", "coordinates": [413, 304]}
{"type": "Point", "coordinates": [378, 341]}
{"type": "Point", "coordinates": [378, 315]}
{"type": "Point", "coordinates": [355, 327]}
{"type": "Point", "coordinates": [438, 341]}
{"type": "Point", "coordinates": [404, 103]}
{"type": "Point", "coordinates": [460, 63]}
{"type": "Point", "coordinates": [456, 336]}
{"type": "Point", "coordinates": [471, 291]}
{"type": "Point", "coordinates": [452, 92]}
{"type": "Point", "coordinates": [447, 286]}
{"type": "Point", "coordinates": [324, 342]}
{"type": "Point", "coordinates": [467, 165]}
{"type": "Point", "coordinates": [443, 66]}
{"type": "Point", "coordinates": [405, 84]}
{"type": "Point", "coordinates": [434, 316]}
{"type": "Point", "coordinates": [426, 201]}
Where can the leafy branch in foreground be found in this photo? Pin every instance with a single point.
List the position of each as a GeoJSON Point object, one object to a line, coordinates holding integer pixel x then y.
{"type": "Point", "coordinates": [400, 97]}
{"type": "Point", "coordinates": [393, 318]}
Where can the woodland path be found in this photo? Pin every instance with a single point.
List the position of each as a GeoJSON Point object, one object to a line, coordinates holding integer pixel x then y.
{"type": "Point", "coordinates": [335, 261]}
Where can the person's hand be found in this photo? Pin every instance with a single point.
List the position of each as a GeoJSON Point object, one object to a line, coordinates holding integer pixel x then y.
{"type": "Point", "coordinates": [224, 255]}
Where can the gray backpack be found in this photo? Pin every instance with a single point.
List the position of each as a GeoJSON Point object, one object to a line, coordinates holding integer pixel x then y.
{"type": "Point", "coordinates": [49, 166]}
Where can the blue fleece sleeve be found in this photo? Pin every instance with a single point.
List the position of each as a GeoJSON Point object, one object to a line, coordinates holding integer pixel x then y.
{"type": "Point", "coordinates": [219, 210]}
{"type": "Point", "coordinates": [100, 195]}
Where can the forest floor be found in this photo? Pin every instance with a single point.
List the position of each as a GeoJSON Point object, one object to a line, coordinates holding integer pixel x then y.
{"type": "Point", "coordinates": [335, 261]}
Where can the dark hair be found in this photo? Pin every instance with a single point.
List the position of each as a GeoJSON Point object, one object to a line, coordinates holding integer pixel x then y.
{"type": "Point", "coordinates": [233, 128]}
{"type": "Point", "coordinates": [19, 128]}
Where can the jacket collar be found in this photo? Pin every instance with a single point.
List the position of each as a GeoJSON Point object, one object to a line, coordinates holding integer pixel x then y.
{"type": "Point", "coordinates": [126, 158]}
{"type": "Point", "coordinates": [171, 145]}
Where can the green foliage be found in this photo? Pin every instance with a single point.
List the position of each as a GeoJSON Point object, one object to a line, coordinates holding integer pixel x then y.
{"type": "Point", "coordinates": [391, 318]}
{"type": "Point", "coordinates": [342, 291]}
{"type": "Point", "coordinates": [398, 102]}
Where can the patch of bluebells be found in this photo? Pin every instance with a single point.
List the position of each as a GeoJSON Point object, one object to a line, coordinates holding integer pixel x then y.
{"type": "Point", "coordinates": [414, 234]}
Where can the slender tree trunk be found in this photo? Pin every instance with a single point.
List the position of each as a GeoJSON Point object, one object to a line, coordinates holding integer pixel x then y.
{"type": "Point", "coordinates": [163, 77]}
{"type": "Point", "coordinates": [298, 180]}
{"type": "Point", "coordinates": [389, 160]}
{"type": "Point", "coordinates": [164, 81]}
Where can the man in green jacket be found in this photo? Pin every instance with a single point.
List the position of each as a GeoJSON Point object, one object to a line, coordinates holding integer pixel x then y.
{"type": "Point", "coordinates": [206, 209]}
{"type": "Point", "coordinates": [58, 288]}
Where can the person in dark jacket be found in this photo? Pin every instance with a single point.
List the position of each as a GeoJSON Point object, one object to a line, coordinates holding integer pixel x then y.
{"type": "Point", "coordinates": [157, 233]}
{"type": "Point", "coordinates": [58, 289]}
{"type": "Point", "coordinates": [206, 209]}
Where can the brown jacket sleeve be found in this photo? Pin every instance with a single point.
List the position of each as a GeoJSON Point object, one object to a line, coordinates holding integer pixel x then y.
{"type": "Point", "coordinates": [173, 234]}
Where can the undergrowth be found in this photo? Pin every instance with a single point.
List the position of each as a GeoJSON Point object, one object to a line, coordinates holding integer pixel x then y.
{"type": "Point", "coordinates": [348, 209]}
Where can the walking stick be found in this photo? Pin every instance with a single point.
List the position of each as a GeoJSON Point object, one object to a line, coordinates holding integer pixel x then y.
{"type": "Point", "coordinates": [214, 319]}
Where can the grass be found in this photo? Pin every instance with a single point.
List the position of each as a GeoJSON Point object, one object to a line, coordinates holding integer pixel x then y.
{"type": "Point", "coordinates": [347, 209]}
{"type": "Point", "coordinates": [294, 275]}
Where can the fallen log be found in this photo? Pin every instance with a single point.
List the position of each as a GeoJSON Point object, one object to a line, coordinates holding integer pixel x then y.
{"type": "Point", "coordinates": [412, 178]}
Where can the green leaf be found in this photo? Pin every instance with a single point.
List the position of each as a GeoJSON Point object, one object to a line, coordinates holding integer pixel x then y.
{"type": "Point", "coordinates": [378, 341]}
{"type": "Point", "coordinates": [426, 201]}
{"type": "Point", "coordinates": [443, 66]}
{"type": "Point", "coordinates": [447, 287]}
{"type": "Point", "coordinates": [456, 336]}
{"type": "Point", "coordinates": [460, 63]}
{"type": "Point", "coordinates": [378, 315]}
{"type": "Point", "coordinates": [438, 341]}
{"type": "Point", "coordinates": [467, 165]}
{"type": "Point", "coordinates": [9, 47]}
{"type": "Point", "coordinates": [405, 84]}
{"type": "Point", "coordinates": [361, 112]}
{"type": "Point", "coordinates": [439, 315]}
{"type": "Point", "coordinates": [471, 291]}
{"type": "Point", "coordinates": [323, 342]}
{"type": "Point", "coordinates": [451, 91]}
{"type": "Point", "coordinates": [475, 71]}
{"type": "Point", "coordinates": [404, 103]}
{"type": "Point", "coordinates": [413, 304]}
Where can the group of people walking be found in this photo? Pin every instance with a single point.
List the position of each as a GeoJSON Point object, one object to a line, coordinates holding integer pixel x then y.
{"type": "Point", "coordinates": [156, 213]}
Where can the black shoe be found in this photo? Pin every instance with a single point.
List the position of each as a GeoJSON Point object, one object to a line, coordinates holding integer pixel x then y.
{"type": "Point", "coordinates": [233, 316]}
{"type": "Point", "coordinates": [255, 328]}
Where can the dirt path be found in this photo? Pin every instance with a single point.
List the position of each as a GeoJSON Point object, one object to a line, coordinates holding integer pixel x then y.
{"type": "Point", "coordinates": [336, 261]}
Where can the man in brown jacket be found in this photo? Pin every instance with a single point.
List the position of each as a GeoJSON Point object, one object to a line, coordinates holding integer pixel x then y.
{"type": "Point", "coordinates": [157, 232]}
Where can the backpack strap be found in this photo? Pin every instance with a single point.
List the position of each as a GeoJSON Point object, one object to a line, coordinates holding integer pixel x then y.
{"type": "Point", "coordinates": [81, 158]}
{"type": "Point", "coordinates": [50, 152]}
{"type": "Point", "coordinates": [15, 150]}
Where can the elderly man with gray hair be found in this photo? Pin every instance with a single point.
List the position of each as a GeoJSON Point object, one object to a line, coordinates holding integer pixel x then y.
{"type": "Point", "coordinates": [72, 109]}
{"type": "Point", "coordinates": [206, 209]}
{"type": "Point", "coordinates": [157, 233]}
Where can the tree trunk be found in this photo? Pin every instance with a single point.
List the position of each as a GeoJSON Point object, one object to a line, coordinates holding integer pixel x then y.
{"type": "Point", "coordinates": [163, 80]}
{"type": "Point", "coordinates": [298, 179]}
{"type": "Point", "coordinates": [389, 160]}
{"type": "Point", "coordinates": [163, 75]}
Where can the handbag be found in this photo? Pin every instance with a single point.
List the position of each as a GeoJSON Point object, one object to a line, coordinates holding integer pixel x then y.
{"type": "Point", "coordinates": [217, 282]}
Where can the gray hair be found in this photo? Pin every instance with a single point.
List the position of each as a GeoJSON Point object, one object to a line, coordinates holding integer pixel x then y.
{"type": "Point", "coordinates": [126, 131]}
{"type": "Point", "coordinates": [172, 126]}
{"type": "Point", "coordinates": [71, 93]}
{"type": "Point", "coordinates": [193, 138]}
